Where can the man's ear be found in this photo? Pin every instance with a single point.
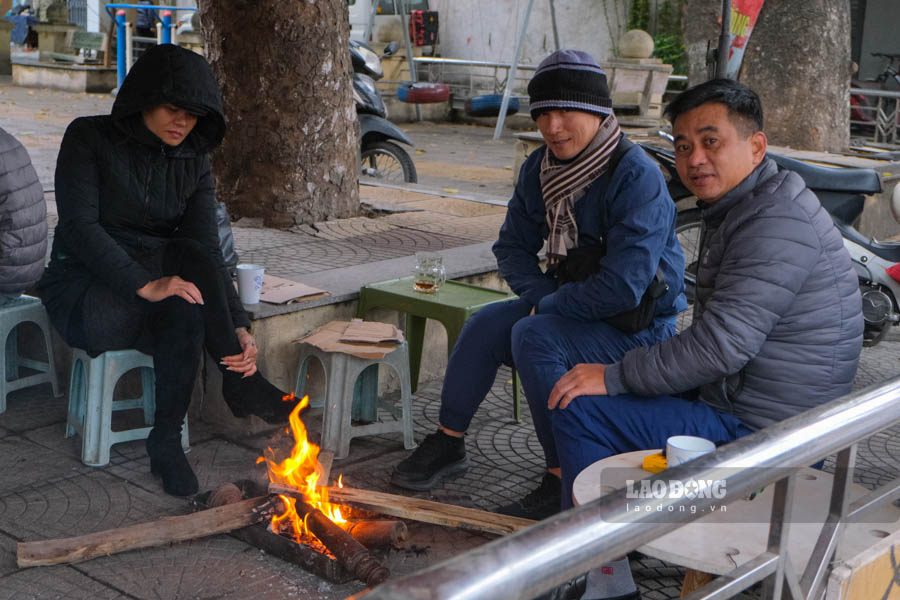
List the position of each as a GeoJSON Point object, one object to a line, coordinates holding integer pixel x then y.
{"type": "Point", "coordinates": [758, 145]}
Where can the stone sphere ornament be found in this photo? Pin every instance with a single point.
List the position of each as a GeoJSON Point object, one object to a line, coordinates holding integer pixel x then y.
{"type": "Point", "coordinates": [636, 43]}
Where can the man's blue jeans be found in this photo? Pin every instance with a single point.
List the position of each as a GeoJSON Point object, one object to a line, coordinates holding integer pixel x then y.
{"type": "Point", "coordinates": [594, 427]}
{"type": "Point", "coordinates": [483, 345]}
{"type": "Point", "coordinates": [490, 338]}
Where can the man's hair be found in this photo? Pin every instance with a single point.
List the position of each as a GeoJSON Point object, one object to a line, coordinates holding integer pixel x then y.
{"type": "Point", "coordinates": [743, 104]}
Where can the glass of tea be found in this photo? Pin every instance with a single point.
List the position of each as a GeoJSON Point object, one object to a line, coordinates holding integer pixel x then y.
{"type": "Point", "coordinates": [429, 273]}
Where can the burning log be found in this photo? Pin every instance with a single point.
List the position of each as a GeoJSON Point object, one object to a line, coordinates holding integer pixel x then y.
{"type": "Point", "coordinates": [155, 533]}
{"type": "Point", "coordinates": [349, 552]}
{"type": "Point", "coordinates": [377, 534]}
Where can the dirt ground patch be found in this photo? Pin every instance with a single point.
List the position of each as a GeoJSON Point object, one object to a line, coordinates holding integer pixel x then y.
{"type": "Point", "coordinates": [463, 172]}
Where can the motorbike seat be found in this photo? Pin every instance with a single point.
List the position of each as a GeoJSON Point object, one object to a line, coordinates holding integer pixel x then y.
{"type": "Point", "coordinates": [860, 181]}
{"type": "Point", "coordinates": [887, 251]}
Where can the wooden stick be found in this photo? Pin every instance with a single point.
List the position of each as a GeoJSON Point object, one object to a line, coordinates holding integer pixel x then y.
{"type": "Point", "coordinates": [427, 511]}
{"type": "Point", "coordinates": [693, 581]}
{"type": "Point", "coordinates": [162, 531]}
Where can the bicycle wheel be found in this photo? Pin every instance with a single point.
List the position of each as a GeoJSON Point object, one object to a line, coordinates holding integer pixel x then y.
{"type": "Point", "coordinates": [388, 163]}
{"type": "Point", "coordinates": [687, 228]}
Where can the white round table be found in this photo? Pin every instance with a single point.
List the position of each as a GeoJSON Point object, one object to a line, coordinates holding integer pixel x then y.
{"type": "Point", "coordinates": [717, 543]}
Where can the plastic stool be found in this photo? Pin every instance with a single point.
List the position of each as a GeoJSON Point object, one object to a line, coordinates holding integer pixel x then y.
{"type": "Point", "coordinates": [341, 374]}
{"type": "Point", "coordinates": [21, 310]}
{"type": "Point", "coordinates": [91, 403]}
{"type": "Point", "coordinates": [452, 306]}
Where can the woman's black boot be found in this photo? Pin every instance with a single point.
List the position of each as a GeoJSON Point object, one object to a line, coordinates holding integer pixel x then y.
{"type": "Point", "coordinates": [254, 395]}
{"type": "Point", "coordinates": [167, 460]}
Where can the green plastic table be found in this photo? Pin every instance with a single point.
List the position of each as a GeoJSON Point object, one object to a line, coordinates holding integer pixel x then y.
{"type": "Point", "coordinates": [452, 305]}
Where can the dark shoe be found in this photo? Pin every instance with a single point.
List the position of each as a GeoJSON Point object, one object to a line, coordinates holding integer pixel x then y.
{"type": "Point", "coordinates": [167, 460]}
{"type": "Point", "coordinates": [254, 395]}
{"type": "Point", "coordinates": [438, 456]}
{"type": "Point", "coordinates": [570, 590]}
{"type": "Point", "coordinates": [539, 504]}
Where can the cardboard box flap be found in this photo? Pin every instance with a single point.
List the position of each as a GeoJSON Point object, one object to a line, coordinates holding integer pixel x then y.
{"type": "Point", "coordinates": [328, 339]}
{"type": "Point", "coordinates": [276, 290]}
{"type": "Point", "coordinates": [371, 332]}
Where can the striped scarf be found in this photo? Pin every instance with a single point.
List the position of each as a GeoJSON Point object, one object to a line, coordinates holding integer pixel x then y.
{"type": "Point", "coordinates": [563, 184]}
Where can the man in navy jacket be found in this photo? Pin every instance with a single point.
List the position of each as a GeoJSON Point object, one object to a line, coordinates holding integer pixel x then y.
{"type": "Point", "coordinates": [577, 191]}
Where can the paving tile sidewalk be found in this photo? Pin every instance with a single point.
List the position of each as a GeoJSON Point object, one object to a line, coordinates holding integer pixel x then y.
{"type": "Point", "coordinates": [46, 492]}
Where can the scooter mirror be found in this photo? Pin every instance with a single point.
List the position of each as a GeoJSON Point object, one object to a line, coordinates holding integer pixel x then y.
{"type": "Point", "coordinates": [895, 202]}
{"type": "Point", "coordinates": [391, 48]}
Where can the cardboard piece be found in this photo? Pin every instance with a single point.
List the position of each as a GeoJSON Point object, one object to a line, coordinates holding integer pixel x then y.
{"type": "Point", "coordinates": [328, 338]}
{"type": "Point", "coordinates": [371, 332]}
{"type": "Point", "coordinates": [276, 290]}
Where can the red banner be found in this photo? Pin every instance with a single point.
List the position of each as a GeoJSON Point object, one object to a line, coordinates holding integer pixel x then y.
{"type": "Point", "coordinates": [743, 19]}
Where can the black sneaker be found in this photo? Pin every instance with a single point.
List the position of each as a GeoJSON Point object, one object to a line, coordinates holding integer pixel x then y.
{"type": "Point", "coordinates": [539, 504]}
{"type": "Point", "coordinates": [438, 456]}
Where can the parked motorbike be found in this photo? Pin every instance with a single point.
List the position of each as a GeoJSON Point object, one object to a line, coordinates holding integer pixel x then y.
{"type": "Point", "coordinates": [381, 158]}
{"type": "Point", "coordinates": [863, 108]}
{"type": "Point", "coordinates": [842, 193]}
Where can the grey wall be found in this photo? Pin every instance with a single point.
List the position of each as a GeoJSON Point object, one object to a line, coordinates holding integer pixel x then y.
{"type": "Point", "coordinates": [478, 30]}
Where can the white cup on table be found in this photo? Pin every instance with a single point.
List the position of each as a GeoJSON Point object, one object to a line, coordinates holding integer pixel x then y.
{"type": "Point", "coordinates": [683, 448]}
{"type": "Point", "coordinates": [249, 279]}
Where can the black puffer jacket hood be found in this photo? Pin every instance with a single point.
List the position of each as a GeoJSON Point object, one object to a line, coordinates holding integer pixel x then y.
{"type": "Point", "coordinates": [169, 74]}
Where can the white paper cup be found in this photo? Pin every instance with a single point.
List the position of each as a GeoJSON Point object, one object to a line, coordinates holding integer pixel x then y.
{"type": "Point", "coordinates": [250, 278]}
{"type": "Point", "coordinates": [682, 448]}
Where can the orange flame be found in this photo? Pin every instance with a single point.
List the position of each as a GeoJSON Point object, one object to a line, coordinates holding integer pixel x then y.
{"type": "Point", "coordinates": [299, 471]}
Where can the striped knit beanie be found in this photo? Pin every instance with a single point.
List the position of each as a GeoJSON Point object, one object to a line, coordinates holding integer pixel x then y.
{"type": "Point", "coordinates": [569, 80]}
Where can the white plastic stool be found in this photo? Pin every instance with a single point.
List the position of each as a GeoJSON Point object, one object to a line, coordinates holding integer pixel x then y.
{"type": "Point", "coordinates": [341, 373]}
{"type": "Point", "coordinates": [91, 403]}
{"type": "Point", "coordinates": [21, 310]}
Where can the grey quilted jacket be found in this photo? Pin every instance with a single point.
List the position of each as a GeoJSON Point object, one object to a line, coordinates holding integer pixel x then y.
{"type": "Point", "coordinates": [778, 321]}
{"type": "Point", "coordinates": [23, 219]}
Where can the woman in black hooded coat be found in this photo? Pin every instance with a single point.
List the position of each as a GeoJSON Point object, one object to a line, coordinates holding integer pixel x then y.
{"type": "Point", "coordinates": [136, 260]}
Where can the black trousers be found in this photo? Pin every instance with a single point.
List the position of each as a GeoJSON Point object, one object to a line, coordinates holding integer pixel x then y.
{"type": "Point", "coordinates": [173, 331]}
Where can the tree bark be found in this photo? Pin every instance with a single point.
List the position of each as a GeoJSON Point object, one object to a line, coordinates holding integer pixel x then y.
{"type": "Point", "coordinates": [797, 60]}
{"type": "Point", "coordinates": [291, 152]}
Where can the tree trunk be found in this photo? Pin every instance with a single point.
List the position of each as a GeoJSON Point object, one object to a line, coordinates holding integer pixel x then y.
{"type": "Point", "coordinates": [797, 60]}
{"type": "Point", "coordinates": [291, 151]}
{"type": "Point", "coordinates": [702, 23]}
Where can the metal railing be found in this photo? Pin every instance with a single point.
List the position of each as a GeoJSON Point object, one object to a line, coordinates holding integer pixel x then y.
{"type": "Point", "coordinates": [537, 559]}
{"type": "Point", "coordinates": [468, 78]}
{"type": "Point", "coordinates": [165, 33]}
{"type": "Point", "coordinates": [78, 13]}
{"type": "Point", "coordinates": [878, 118]}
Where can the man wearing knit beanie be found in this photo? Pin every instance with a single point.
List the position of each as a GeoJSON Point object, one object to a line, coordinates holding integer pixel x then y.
{"type": "Point", "coordinates": [588, 190]}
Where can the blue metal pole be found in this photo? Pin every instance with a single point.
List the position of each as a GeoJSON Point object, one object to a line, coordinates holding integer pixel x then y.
{"type": "Point", "coordinates": [166, 27]}
{"type": "Point", "coordinates": [121, 60]}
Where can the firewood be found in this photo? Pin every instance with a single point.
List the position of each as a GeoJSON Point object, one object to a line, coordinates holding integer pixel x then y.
{"type": "Point", "coordinates": [155, 533]}
{"type": "Point", "coordinates": [426, 511]}
{"type": "Point", "coordinates": [378, 534]}
{"type": "Point", "coordinates": [349, 552]}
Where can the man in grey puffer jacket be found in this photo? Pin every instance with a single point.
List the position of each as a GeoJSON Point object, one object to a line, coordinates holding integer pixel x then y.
{"type": "Point", "coordinates": [777, 323]}
{"type": "Point", "coordinates": [23, 220]}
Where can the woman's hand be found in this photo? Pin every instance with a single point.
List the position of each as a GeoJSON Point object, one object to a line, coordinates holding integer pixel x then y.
{"type": "Point", "coordinates": [582, 380]}
{"type": "Point", "coordinates": [162, 288]}
{"type": "Point", "coordinates": [244, 362]}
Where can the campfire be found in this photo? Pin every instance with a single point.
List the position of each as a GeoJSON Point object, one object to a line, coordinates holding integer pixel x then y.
{"type": "Point", "coordinates": [308, 517]}
{"type": "Point", "coordinates": [293, 517]}
{"type": "Point", "coordinates": [300, 471]}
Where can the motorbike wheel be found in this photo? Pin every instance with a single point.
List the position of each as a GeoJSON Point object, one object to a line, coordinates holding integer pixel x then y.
{"type": "Point", "coordinates": [388, 163]}
{"type": "Point", "coordinates": [687, 228]}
